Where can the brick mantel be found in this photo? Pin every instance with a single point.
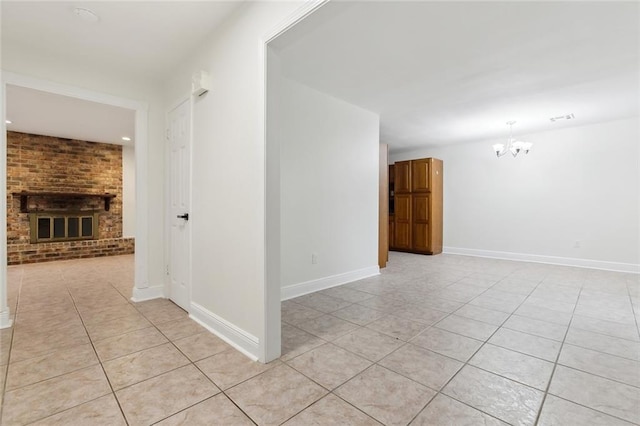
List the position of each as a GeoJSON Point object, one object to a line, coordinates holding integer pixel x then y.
{"type": "Point", "coordinates": [24, 197]}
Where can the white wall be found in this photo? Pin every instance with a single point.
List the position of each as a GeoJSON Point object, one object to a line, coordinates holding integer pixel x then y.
{"type": "Point", "coordinates": [329, 189]}
{"type": "Point", "coordinates": [128, 191]}
{"type": "Point", "coordinates": [578, 186]}
{"type": "Point", "coordinates": [228, 175]}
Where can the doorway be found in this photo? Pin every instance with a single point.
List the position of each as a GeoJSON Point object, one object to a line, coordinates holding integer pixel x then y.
{"type": "Point", "coordinates": [140, 160]}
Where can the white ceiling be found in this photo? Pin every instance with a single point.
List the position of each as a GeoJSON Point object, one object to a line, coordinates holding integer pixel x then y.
{"type": "Point", "coordinates": [42, 113]}
{"type": "Point", "coordinates": [138, 39]}
{"type": "Point", "coordinates": [449, 72]}
{"type": "Point", "coordinates": [436, 72]}
{"type": "Point", "coordinates": [145, 39]}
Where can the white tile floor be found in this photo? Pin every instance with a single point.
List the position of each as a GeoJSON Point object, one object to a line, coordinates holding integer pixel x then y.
{"type": "Point", "coordinates": [461, 340]}
{"type": "Point", "coordinates": [440, 340]}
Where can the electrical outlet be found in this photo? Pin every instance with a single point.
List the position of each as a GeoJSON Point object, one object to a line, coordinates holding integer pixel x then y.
{"type": "Point", "coordinates": [314, 258]}
{"type": "Point", "coordinates": [576, 244]}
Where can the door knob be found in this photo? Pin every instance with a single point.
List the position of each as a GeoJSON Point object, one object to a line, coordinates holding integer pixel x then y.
{"type": "Point", "coordinates": [184, 216]}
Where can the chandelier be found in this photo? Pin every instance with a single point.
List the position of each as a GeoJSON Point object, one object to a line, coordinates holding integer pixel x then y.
{"type": "Point", "coordinates": [513, 146]}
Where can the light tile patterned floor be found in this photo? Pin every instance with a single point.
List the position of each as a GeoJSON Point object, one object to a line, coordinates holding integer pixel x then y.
{"type": "Point", "coordinates": [440, 340]}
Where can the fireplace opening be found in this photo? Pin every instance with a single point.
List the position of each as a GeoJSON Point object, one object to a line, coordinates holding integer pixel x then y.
{"type": "Point", "coordinates": [50, 227]}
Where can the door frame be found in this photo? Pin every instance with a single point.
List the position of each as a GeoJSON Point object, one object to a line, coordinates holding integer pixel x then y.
{"type": "Point", "coordinates": [141, 288]}
{"type": "Point", "coordinates": [269, 342]}
{"type": "Point", "coordinates": [167, 195]}
{"type": "Point", "coordinates": [383, 206]}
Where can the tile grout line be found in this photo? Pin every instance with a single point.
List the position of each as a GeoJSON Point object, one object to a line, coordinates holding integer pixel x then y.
{"type": "Point", "coordinates": [428, 327]}
{"type": "Point", "coordinates": [331, 391]}
{"type": "Point", "coordinates": [237, 406]}
{"type": "Point", "coordinates": [13, 329]}
{"type": "Point", "coordinates": [359, 326]}
{"type": "Point", "coordinates": [592, 409]}
{"type": "Point", "coordinates": [373, 363]}
{"type": "Point", "coordinates": [404, 344]}
{"type": "Point", "coordinates": [60, 375]}
{"type": "Point", "coordinates": [466, 363]}
{"type": "Point", "coordinates": [113, 393]}
{"type": "Point", "coordinates": [604, 353]}
{"type": "Point", "coordinates": [605, 334]}
{"type": "Point", "coordinates": [350, 404]}
{"type": "Point", "coordinates": [555, 364]}
{"type": "Point", "coordinates": [193, 363]}
{"type": "Point", "coordinates": [633, 310]}
{"type": "Point", "coordinates": [60, 272]}
{"type": "Point", "coordinates": [598, 375]}
{"type": "Point", "coordinates": [151, 377]}
{"type": "Point", "coordinates": [222, 391]}
{"type": "Point", "coordinates": [577, 369]}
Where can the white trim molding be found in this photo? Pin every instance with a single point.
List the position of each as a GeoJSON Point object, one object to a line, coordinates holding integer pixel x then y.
{"type": "Point", "coordinates": [5, 319]}
{"type": "Point", "coordinates": [306, 9]}
{"type": "Point", "coordinates": [245, 342]}
{"type": "Point", "coordinates": [552, 260]}
{"type": "Point", "coordinates": [300, 289]}
{"type": "Point", "coordinates": [270, 338]}
{"type": "Point", "coordinates": [147, 293]}
{"type": "Point", "coordinates": [72, 91]}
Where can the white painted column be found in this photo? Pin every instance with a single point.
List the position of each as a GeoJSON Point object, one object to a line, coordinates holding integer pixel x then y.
{"type": "Point", "coordinates": [5, 317]}
{"type": "Point", "coordinates": [142, 290]}
{"type": "Point", "coordinates": [271, 338]}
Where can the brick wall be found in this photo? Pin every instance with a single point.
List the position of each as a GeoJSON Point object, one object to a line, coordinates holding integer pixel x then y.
{"type": "Point", "coordinates": [49, 164]}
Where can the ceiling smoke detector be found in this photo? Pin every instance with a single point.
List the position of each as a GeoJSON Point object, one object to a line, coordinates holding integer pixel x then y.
{"type": "Point", "coordinates": [86, 15]}
{"type": "Point", "coordinates": [562, 117]}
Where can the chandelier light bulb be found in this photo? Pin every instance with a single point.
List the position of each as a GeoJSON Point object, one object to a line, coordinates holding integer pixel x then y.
{"type": "Point", "coordinates": [513, 146]}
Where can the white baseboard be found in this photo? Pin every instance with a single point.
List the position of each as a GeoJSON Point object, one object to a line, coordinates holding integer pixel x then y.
{"type": "Point", "coordinates": [5, 319]}
{"type": "Point", "coordinates": [295, 290]}
{"type": "Point", "coordinates": [147, 293]}
{"type": "Point", "coordinates": [553, 260]}
{"type": "Point", "coordinates": [230, 333]}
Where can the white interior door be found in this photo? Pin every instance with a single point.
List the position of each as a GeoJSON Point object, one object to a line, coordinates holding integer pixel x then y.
{"type": "Point", "coordinates": [180, 185]}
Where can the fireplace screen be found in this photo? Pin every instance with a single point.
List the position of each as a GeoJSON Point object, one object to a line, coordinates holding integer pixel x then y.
{"type": "Point", "coordinates": [48, 227]}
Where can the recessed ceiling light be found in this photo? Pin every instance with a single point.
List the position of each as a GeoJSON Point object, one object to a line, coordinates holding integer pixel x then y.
{"type": "Point", "coordinates": [86, 15]}
{"type": "Point", "coordinates": [563, 117]}
{"type": "Point", "coordinates": [8, 121]}
{"type": "Point", "coordinates": [126, 138]}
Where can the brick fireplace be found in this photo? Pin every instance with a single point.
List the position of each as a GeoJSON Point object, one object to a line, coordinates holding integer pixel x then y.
{"type": "Point", "coordinates": [65, 179]}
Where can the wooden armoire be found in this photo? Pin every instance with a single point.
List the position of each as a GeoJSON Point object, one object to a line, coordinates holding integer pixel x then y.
{"type": "Point", "coordinates": [417, 206]}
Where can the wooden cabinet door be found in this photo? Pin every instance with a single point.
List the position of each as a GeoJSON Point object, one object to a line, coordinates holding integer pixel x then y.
{"type": "Point", "coordinates": [435, 206]}
{"type": "Point", "coordinates": [402, 215]}
{"type": "Point", "coordinates": [420, 175]}
{"type": "Point", "coordinates": [420, 215]}
{"type": "Point", "coordinates": [402, 180]}
{"type": "Point", "coordinates": [392, 232]}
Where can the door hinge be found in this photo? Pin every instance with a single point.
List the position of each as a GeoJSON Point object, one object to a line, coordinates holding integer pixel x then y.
{"type": "Point", "coordinates": [167, 270]}
{"type": "Point", "coordinates": [168, 134]}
